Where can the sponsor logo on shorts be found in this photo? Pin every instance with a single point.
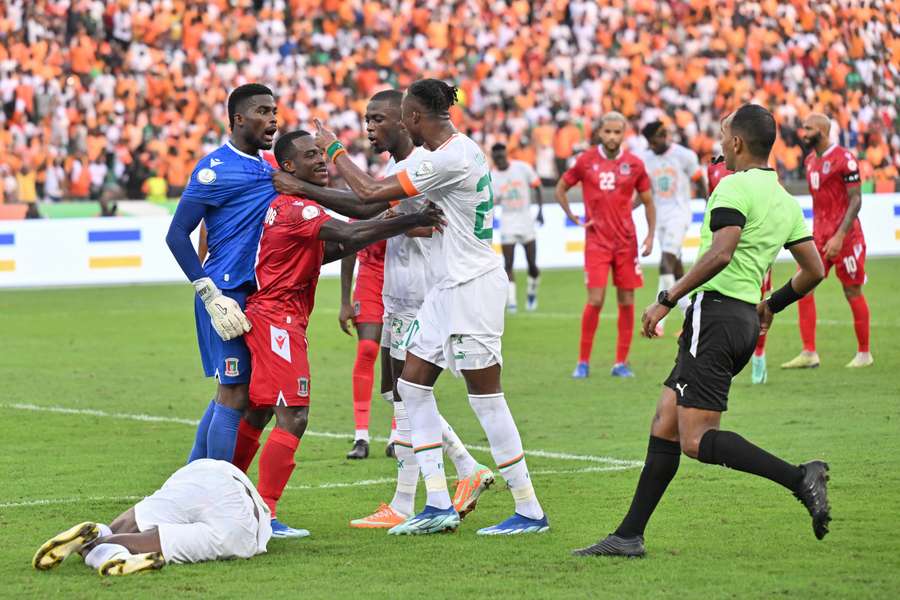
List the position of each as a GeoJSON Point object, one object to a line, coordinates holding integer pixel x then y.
{"type": "Point", "coordinates": [206, 176]}
{"type": "Point", "coordinates": [231, 367]}
{"type": "Point", "coordinates": [303, 387]}
{"type": "Point", "coordinates": [681, 387]}
{"type": "Point", "coordinates": [281, 342]}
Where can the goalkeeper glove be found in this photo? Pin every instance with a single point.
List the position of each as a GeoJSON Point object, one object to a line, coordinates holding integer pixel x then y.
{"type": "Point", "coordinates": [227, 317]}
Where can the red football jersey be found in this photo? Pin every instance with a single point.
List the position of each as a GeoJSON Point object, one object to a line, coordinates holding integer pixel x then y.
{"type": "Point", "coordinates": [716, 172]}
{"type": "Point", "coordinates": [289, 258]}
{"type": "Point", "coordinates": [829, 177]}
{"type": "Point", "coordinates": [608, 186]}
{"type": "Point", "coordinates": [372, 256]}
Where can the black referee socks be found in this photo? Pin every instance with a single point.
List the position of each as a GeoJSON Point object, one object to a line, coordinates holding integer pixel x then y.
{"type": "Point", "coordinates": [730, 450]}
{"type": "Point", "coordinates": [659, 469]}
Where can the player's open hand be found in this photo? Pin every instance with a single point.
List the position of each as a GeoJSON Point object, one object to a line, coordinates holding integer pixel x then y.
{"type": "Point", "coordinates": [324, 136]}
{"type": "Point", "coordinates": [285, 183]}
{"type": "Point", "coordinates": [653, 314]}
{"type": "Point", "coordinates": [345, 316]}
{"type": "Point", "coordinates": [833, 246]}
{"type": "Point", "coordinates": [765, 317]}
{"type": "Point", "coordinates": [647, 246]}
{"type": "Point", "coordinates": [431, 215]}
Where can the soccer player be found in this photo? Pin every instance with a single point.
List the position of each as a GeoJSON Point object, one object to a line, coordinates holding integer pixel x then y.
{"type": "Point", "coordinates": [610, 176]}
{"type": "Point", "coordinates": [297, 238]}
{"type": "Point", "coordinates": [672, 168]}
{"type": "Point", "coordinates": [460, 323]}
{"type": "Point", "coordinates": [834, 182]}
{"type": "Point", "coordinates": [207, 510]}
{"type": "Point", "coordinates": [230, 190]}
{"type": "Point", "coordinates": [514, 180]}
{"type": "Point", "coordinates": [748, 219]}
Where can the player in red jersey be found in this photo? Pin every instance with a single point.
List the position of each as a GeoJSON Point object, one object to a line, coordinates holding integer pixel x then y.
{"type": "Point", "coordinates": [609, 176]}
{"type": "Point", "coordinates": [298, 237]}
{"type": "Point", "coordinates": [834, 182]}
{"type": "Point", "coordinates": [367, 313]}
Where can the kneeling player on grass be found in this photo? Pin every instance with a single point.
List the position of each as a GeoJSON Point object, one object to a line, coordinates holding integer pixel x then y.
{"type": "Point", "coordinates": [207, 510]}
{"type": "Point", "coordinates": [748, 219]}
{"type": "Point", "coordinates": [298, 237]}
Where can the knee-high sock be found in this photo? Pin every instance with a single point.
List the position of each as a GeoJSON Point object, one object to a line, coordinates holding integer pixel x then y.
{"type": "Point", "coordinates": [199, 449]}
{"type": "Point", "coordinates": [860, 309]}
{"type": "Point", "coordinates": [425, 426]}
{"type": "Point", "coordinates": [511, 293]}
{"type": "Point", "coordinates": [389, 398]}
{"type": "Point", "coordinates": [626, 332]}
{"type": "Point", "coordinates": [407, 467]}
{"type": "Point", "coordinates": [363, 378]}
{"type": "Point", "coordinates": [276, 463]}
{"type": "Point", "coordinates": [246, 446]}
{"type": "Point", "coordinates": [590, 317]}
{"type": "Point", "coordinates": [760, 345]}
{"type": "Point", "coordinates": [101, 553]}
{"type": "Point", "coordinates": [506, 448]}
{"type": "Point", "coordinates": [730, 450]}
{"type": "Point", "coordinates": [806, 314]}
{"type": "Point", "coordinates": [453, 446]}
{"type": "Point", "coordinates": [666, 281]}
{"type": "Point", "coordinates": [660, 467]}
{"type": "Point", "coordinates": [222, 434]}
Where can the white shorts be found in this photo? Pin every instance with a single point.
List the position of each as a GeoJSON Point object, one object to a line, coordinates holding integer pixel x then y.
{"type": "Point", "coordinates": [460, 328]}
{"type": "Point", "coordinates": [396, 331]}
{"type": "Point", "coordinates": [516, 237]}
{"type": "Point", "coordinates": [205, 511]}
{"type": "Point", "coordinates": [671, 230]}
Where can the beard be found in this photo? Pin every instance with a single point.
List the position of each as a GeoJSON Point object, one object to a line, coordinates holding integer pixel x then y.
{"type": "Point", "coordinates": [809, 143]}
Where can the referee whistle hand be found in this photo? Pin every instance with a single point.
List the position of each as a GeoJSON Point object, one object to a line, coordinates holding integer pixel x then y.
{"type": "Point", "coordinates": [765, 317]}
{"type": "Point", "coordinates": [651, 317]}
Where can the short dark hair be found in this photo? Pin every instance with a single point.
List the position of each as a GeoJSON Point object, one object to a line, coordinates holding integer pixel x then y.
{"type": "Point", "coordinates": [435, 95]}
{"type": "Point", "coordinates": [390, 96]}
{"type": "Point", "coordinates": [756, 126]}
{"type": "Point", "coordinates": [651, 129]}
{"type": "Point", "coordinates": [498, 147]}
{"type": "Point", "coordinates": [284, 143]}
{"type": "Point", "coordinates": [241, 94]}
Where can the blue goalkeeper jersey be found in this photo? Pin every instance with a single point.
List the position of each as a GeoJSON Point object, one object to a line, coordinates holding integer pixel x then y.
{"type": "Point", "coordinates": [236, 189]}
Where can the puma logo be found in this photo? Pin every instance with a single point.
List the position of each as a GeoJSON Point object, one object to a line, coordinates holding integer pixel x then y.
{"type": "Point", "coordinates": [681, 387]}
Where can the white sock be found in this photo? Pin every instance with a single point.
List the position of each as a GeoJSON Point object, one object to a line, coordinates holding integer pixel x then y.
{"type": "Point", "coordinates": [361, 434]}
{"type": "Point", "coordinates": [665, 282]}
{"type": "Point", "coordinates": [404, 500]}
{"type": "Point", "coordinates": [533, 285]}
{"type": "Point", "coordinates": [104, 529]}
{"type": "Point", "coordinates": [506, 448]}
{"type": "Point", "coordinates": [453, 446]}
{"type": "Point", "coordinates": [425, 429]}
{"type": "Point", "coordinates": [511, 294]}
{"type": "Point", "coordinates": [389, 398]}
{"type": "Point", "coordinates": [101, 553]}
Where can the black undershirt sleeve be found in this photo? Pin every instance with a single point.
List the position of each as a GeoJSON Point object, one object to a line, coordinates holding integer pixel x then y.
{"type": "Point", "coordinates": [726, 217]}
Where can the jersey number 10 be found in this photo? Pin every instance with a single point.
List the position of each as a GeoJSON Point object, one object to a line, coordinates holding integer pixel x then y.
{"type": "Point", "coordinates": [482, 210]}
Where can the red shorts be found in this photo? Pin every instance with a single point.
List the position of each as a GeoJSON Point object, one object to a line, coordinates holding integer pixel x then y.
{"type": "Point", "coordinates": [850, 263]}
{"type": "Point", "coordinates": [626, 266]}
{"type": "Point", "coordinates": [279, 373]}
{"type": "Point", "coordinates": [368, 306]}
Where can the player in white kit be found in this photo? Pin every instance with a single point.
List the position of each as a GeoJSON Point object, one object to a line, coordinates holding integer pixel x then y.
{"type": "Point", "coordinates": [513, 181]}
{"type": "Point", "coordinates": [207, 510]}
{"type": "Point", "coordinates": [672, 168]}
{"type": "Point", "coordinates": [460, 323]}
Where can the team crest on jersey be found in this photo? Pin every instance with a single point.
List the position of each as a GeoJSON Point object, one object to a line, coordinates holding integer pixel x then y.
{"type": "Point", "coordinates": [624, 169]}
{"type": "Point", "coordinates": [206, 176]}
{"type": "Point", "coordinates": [270, 216]}
{"type": "Point", "coordinates": [310, 212]}
{"type": "Point", "coordinates": [281, 342]}
{"type": "Point", "coordinates": [426, 168]}
{"type": "Point", "coordinates": [826, 168]}
{"type": "Point", "coordinates": [851, 165]}
{"type": "Point", "coordinates": [303, 387]}
{"type": "Point", "coordinates": [231, 367]}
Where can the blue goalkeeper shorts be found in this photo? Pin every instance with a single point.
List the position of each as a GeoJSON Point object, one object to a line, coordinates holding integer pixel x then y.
{"type": "Point", "coordinates": [228, 361]}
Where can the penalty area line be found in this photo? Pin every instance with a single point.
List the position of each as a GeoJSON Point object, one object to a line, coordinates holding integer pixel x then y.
{"type": "Point", "coordinates": [606, 460]}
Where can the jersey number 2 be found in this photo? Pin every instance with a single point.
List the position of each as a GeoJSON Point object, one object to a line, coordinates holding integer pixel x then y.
{"type": "Point", "coordinates": [482, 210]}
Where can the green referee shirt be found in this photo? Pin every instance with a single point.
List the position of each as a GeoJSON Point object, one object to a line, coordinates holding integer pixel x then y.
{"type": "Point", "coordinates": [770, 219]}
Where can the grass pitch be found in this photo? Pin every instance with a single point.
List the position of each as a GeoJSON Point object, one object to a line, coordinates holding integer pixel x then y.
{"type": "Point", "coordinates": [101, 386]}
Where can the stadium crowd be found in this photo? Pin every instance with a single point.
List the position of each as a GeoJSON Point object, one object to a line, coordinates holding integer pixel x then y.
{"type": "Point", "coordinates": [122, 97]}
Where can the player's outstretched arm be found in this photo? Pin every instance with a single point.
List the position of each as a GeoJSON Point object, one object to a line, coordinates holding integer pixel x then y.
{"type": "Point", "coordinates": [344, 202]}
{"type": "Point", "coordinates": [367, 188]}
{"type": "Point", "coordinates": [342, 239]}
{"type": "Point", "coordinates": [809, 275]}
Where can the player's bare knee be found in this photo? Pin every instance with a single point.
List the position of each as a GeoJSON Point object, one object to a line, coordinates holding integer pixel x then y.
{"type": "Point", "coordinates": [234, 395]}
{"type": "Point", "coordinates": [690, 445]}
{"type": "Point", "coordinates": [292, 419]}
{"type": "Point", "coordinates": [258, 418]}
{"type": "Point", "coordinates": [852, 291]}
{"type": "Point", "coordinates": [125, 523]}
{"type": "Point", "coordinates": [625, 297]}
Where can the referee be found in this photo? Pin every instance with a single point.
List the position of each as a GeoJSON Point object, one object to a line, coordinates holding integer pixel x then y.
{"type": "Point", "coordinates": [748, 219]}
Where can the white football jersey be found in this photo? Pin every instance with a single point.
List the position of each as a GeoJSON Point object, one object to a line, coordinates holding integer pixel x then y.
{"type": "Point", "coordinates": [457, 178]}
{"type": "Point", "coordinates": [406, 270]}
{"type": "Point", "coordinates": [512, 189]}
{"type": "Point", "coordinates": [670, 175]}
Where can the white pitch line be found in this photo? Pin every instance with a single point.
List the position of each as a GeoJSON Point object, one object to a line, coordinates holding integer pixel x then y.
{"type": "Point", "coordinates": [608, 460]}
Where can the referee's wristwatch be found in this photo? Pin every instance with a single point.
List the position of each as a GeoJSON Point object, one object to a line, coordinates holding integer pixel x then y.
{"type": "Point", "coordinates": [663, 298]}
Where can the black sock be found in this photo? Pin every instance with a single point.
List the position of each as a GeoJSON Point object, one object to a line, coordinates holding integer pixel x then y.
{"type": "Point", "coordinates": [659, 469]}
{"type": "Point", "coordinates": [730, 450]}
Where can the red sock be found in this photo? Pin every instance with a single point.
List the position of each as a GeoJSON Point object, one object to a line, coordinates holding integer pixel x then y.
{"type": "Point", "coordinates": [806, 313]}
{"type": "Point", "coordinates": [589, 320]}
{"type": "Point", "coordinates": [246, 446]}
{"type": "Point", "coordinates": [760, 345]}
{"type": "Point", "coordinates": [363, 378]}
{"type": "Point", "coordinates": [276, 463]}
{"type": "Point", "coordinates": [860, 309]}
{"type": "Point", "coordinates": [626, 332]}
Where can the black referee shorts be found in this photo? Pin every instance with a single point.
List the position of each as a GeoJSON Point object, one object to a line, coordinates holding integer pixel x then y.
{"type": "Point", "coordinates": [717, 341]}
